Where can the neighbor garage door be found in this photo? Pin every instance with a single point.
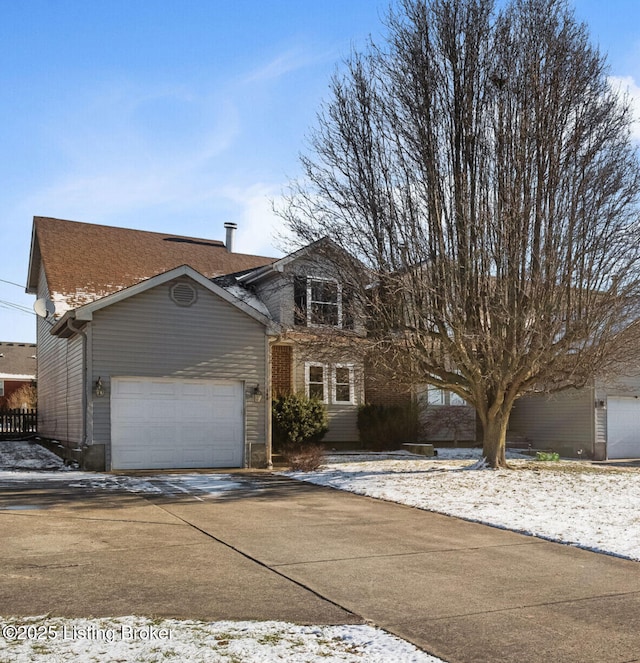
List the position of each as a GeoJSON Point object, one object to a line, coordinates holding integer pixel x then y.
{"type": "Point", "coordinates": [623, 427]}
{"type": "Point", "coordinates": [163, 423]}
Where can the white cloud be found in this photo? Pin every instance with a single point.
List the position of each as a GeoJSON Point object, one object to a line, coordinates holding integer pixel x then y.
{"type": "Point", "coordinates": [627, 85]}
{"type": "Point", "coordinates": [259, 228]}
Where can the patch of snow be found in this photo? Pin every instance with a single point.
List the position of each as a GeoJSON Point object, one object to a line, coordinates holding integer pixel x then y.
{"type": "Point", "coordinates": [145, 640]}
{"type": "Point", "coordinates": [572, 502]}
{"type": "Point", "coordinates": [16, 455]}
{"type": "Point", "coordinates": [248, 298]}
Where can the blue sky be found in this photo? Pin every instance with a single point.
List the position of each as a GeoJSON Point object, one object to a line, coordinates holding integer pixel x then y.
{"type": "Point", "coordinates": [177, 116]}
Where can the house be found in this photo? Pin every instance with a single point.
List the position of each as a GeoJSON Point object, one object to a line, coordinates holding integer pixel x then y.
{"type": "Point", "coordinates": [17, 368]}
{"type": "Point", "coordinates": [600, 421]}
{"type": "Point", "coordinates": [163, 351]}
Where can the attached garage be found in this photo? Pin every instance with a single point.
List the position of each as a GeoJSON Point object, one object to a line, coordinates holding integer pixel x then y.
{"type": "Point", "coordinates": [623, 427]}
{"type": "Point", "coordinates": [168, 423]}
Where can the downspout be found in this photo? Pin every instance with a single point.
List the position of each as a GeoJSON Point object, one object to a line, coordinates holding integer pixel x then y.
{"type": "Point", "coordinates": [267, 406]}
{"type": "Point", "coordinates": [87, 382]}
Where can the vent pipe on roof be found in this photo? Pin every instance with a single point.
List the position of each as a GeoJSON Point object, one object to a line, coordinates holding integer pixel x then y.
{"type": "Point", "coordinates": [231, 235]}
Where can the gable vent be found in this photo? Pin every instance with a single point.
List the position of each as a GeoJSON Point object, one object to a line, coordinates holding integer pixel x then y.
{"type": "Point", "coordinates": [183, 294]}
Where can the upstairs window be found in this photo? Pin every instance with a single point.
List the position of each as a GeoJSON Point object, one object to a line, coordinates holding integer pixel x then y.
{"type": "Point", "coordinates": [321, 302]}
{"type": "Point", "coordinates": [324, 303]}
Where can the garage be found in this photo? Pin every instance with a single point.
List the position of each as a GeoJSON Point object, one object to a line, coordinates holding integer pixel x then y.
{"type": "Point", "coordinates": [162, 423]}
{"type": "Point", "coordinates": [623, 427]}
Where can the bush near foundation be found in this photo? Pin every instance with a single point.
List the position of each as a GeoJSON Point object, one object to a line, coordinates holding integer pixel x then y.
{"type": "Point", "coordinates": [386, 427]}
{"type": "Point", "coordinates": [299, 423]}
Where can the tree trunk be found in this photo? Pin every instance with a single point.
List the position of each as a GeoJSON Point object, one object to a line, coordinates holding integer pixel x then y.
{"type": "Point", "coordinates": [495, 439]}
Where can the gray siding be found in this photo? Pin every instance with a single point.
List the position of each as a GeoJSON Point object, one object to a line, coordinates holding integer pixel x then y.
{"type": "Point", "coordinates": [149, 336]}
{"type": "Point", "coordinates": [343, 418]}
{"type": "Point", "coordinates": [563, 422]}
{"type": "Point", "coordinates": [277, 295]}
{"type": "Point", "coordinates": [60, 381]}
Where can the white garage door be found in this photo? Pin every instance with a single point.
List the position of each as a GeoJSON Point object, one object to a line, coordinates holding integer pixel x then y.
{"type": "Point", "coordinates": [164, 423]}
{"type": "Point", "coordinates": [623, 427]}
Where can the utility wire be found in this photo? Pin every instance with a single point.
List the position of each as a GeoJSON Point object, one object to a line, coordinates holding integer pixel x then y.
{"type": "Point", "coordinates": [12, 283]}
{"type": "Point", "coordinates": [16, 307]}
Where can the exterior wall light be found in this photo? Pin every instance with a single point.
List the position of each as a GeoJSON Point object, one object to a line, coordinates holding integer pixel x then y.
{"type": "Point", "coordinates": [257, 394]}
{"type": "Point", "coordinates": [99, 388]}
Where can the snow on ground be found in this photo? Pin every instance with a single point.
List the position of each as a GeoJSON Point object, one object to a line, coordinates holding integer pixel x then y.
{"type": "Point", "coordinates": [145, 641]}
{"type": "Point", "coordinates": [593, 507]}
{"type": "Point", "coordinates": [21, 455]}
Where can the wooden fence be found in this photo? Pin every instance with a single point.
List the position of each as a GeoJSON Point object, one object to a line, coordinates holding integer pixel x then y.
{"type": "Point", "coordinates": [14, 423]}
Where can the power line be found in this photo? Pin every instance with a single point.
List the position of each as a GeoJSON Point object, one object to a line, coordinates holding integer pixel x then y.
{"type": "Point", "coordinates": [12, 283]}
{"type": "Point", "coordinates": [16, 307]}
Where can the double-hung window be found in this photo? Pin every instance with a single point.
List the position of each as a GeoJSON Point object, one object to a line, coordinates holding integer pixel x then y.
{"type": "Point", "coordinates": [333, 383]}
{"type": "Point", "coordinates": [324, 302]}
{"type": "Point", "coordinates": [343, 384]}
{"type": "Point", "coordinates": [321, 302]}
{"type": "Point", "coordinates": [315, 380]}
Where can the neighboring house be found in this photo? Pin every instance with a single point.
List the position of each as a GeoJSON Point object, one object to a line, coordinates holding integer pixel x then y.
{"type": "Point", "coordinates": [164, 351]}
{"type": "Point", "coordinates": [600, 421]}
{"type": "Point", "coordinates": [17, 368]}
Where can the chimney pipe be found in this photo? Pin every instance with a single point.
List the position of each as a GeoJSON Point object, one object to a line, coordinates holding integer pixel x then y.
{"type": "Point", "coordinates": [231, 235]}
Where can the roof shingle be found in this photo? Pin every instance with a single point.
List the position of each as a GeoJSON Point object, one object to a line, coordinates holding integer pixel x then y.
{"type": "Point", "coordinates": [83, 261]}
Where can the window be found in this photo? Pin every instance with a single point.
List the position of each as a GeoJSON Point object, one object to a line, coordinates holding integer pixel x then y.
{"type": "Point", "coordinates": [454, 399]}
{"type": "Point", "coordinates": [435, 395]}
{"type": "Point", "coordinates": [343, 384]}
{"type": "Point", "coordinates": [1, 388]}
{"type": "Point", "coordinates": [330, 383]}
{"type": "Point", "coordinates": [324, 303]}
{"type": "Point", "coordinates": [316, 381]}
{"type": "Point", "coordinates": [321, 302]}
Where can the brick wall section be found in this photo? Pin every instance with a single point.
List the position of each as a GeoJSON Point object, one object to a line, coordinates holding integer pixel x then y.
{"type": "Point", "coordinates": [281, 370]}
{"type": "Point", "coordinates": [381, 391]}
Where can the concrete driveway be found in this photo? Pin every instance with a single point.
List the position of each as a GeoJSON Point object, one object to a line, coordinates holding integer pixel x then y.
{"type": "Point", "coordinates": [278, 549]}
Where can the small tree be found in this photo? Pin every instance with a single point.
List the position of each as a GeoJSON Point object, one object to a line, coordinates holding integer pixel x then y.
{"type": "Point", "coordinates": [26, 397]}
{"type": "Point", "coordinates": [479, 165]}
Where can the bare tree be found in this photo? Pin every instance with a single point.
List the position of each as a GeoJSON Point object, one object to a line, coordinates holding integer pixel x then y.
{"type": "Point", "coordinates": [480, 166]}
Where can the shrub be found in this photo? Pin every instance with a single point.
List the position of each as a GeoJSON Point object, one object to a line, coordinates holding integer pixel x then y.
{"type": "Point", "coordinates": [299, 423]}
{"type": "Point", "coordinates": [298, 420]}
{"type": "Point", "coordinates": [385, 427]}
{"type": "Point", "coordinates": [303, 457]}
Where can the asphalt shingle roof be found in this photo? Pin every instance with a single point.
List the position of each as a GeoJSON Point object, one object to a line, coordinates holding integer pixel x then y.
{"type": "Point", "coordinates": [17, 359]}
{"type": "Point", "coordinates": [83, 261]}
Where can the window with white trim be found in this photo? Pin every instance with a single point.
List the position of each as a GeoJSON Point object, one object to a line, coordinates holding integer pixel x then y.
{"type": "Point", "coordinates": [322, 302]}
{"type": "Point", "coordinates": [315, 381]}
{"type": "Point", "coordinates": [343, 384]}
